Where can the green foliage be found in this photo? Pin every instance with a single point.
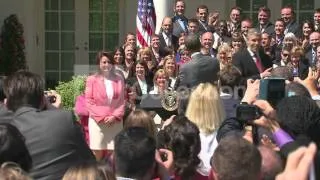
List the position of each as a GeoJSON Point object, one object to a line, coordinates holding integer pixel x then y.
{"type": "Point", "coordinates": [12, 55]}
{"type": "Point", "coordinates": [70, 90]}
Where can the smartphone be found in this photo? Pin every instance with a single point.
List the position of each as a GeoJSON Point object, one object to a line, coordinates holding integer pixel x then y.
{"type": "Point", "coordinates": [272, 90]}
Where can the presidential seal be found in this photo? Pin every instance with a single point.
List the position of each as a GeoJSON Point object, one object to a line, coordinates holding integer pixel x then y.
{"type": "Point", "coordinates": [169, 100]}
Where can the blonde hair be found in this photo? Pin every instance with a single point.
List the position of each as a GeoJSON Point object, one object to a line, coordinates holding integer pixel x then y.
{"type": "Point", "coordinates": [157, 74]}
{"type": "Point", "coordinates": [140, 118]}
{"type": "Point", "coordinates": [144, 50]}
{"type": "Point", "coordinates": [167, 58]}
{"type": "Point", "coordinates": [205, 108]}
{"type": "Point", "coordinates": [297, 50]}
{"type": "Point", "coordinates": [225, 48]}
{"type": "Point", "coordinates": [12, 171]}
{"type": "Point", "coordinates": [88, 171]}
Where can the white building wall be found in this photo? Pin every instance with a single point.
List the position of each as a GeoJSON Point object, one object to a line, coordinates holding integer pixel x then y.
{"type": "Point", "coordinates": [27, 14]}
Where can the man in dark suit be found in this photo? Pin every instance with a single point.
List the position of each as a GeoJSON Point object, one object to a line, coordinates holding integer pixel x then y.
{"type": "Point", "coordinates": [252, 61]}
{"type": "Point", "coordinates": [202, 15]}
{"type": "Point", "coordinates": [287, 14]}
{"type": "Point", "coordinates": [180, 22]}
{"type": "Point", "coordinates": [53, 137]}
{"type": "Point", "coordinates": [200, 69]}
{"type": "Point", "coordinates": [167, 39]}
{"type": "Point", "coordinates": [264, 24]}
{"type": "Point", "coordinates": [311, 54]}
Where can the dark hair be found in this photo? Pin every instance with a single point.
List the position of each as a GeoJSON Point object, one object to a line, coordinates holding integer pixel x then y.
{"type": "Point", "coordinates": [134, 151]}
{"type": "Point", "coordinates": [230, 76]}
{"type": "Point", "coordinates": [129, 33]}
{"type": "Point", "coordinates": [23, 88]}
{"type": "Point", "coordinates": [280, 20]}
{"type": "Point", "coordinates": [142, 63]}
{"type": "Point", "coordinates": [317, 10]}
{"type": "Point", "coordinates": [236, 158]}
{"type": "Point", "coordinates": [193, 20]}
{"type": "Point", "coordinates": [192, 43]}
{"type": "Point", "coordinates": [202, 6]}
{"type": "Point", "coordinates": [101, 54]}
{"type": "Point", "coordinates": [236, 8]}
{"type": "Point", "coordinates": [271, 164]}
{"type": "Point", "coordinates": [310, 24]}
{"type": "Point", "coordinates": [299, 115]}
{"type": "Point", "coordinates": [183, 139]}
{"type": "Point", "coordinates": [296, 89]}
{"type": "Point", "coordinates": [265, 9]}
{"type": "Point", "coordinates": [2, 96]}
{"type": "Point", "coordinates": [282, 72]}
{"type": "Point", "coordinates": [13, 148]}
{"type": "Point", "coordinates": [121, 50]}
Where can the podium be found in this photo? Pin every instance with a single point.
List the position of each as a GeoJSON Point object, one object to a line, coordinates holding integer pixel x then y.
{"type": "Point", "coordinates": [156, 103]}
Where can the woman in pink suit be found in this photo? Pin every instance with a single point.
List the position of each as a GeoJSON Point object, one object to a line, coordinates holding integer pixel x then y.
{"type": "Point", "coordinates": [105, 102]}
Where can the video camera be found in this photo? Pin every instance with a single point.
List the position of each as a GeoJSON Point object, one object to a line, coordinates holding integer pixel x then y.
{"type": "Point", "coordinates": [271, 90]}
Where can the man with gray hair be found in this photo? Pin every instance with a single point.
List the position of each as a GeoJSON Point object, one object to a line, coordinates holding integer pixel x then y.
{"type": "Point", "coordinates": [252, 61]}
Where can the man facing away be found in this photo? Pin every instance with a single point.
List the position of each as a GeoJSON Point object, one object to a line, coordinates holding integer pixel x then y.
{"type": "Point", "coordinates": [52, 135]}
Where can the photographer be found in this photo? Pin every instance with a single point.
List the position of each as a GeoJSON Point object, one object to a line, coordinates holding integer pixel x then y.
{"type": "Point", "coordinates": [53, 138]}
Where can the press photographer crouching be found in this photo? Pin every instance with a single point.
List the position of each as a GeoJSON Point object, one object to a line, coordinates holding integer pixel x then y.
{"type": "Point", "coordinates": [53, 137]}
{"type": "Point", "coordinates": [290, 122]}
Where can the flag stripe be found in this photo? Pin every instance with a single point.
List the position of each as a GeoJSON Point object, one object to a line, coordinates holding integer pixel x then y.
{"type": "Point", "coordinates": [145, 20]}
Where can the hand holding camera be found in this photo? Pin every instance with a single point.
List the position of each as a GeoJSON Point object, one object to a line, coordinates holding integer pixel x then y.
{"type": "Point", "coordinates": [53, 98]}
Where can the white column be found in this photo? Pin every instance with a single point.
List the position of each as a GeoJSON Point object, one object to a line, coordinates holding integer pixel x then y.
{"type": "Point", "coordinates": [163, 8]}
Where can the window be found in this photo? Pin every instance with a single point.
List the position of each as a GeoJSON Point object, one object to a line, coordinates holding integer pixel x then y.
{"type": "Point", "coordinates": [303, 8]}
{"type": "Point", "coordinates": [59, 41]}
{"type": "Point", "coordinates": [103, 26]}
{"type": "Point", "coordinates": [250, 8]}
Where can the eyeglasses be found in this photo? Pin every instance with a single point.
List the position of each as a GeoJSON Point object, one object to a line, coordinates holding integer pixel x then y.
{"type": "Point", "coordinates": [285, 55]}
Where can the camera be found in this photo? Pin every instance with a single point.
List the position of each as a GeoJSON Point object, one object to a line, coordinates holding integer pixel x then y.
{"type": "Point", "coordinates": [272, 90]}
{"type": "Point", "coordinates": [50, 98]}
{"type": "Point", "coordinates": [246, 112]}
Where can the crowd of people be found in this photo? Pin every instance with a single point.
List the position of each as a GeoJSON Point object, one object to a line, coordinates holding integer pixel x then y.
{"type": "Point", "coordinates": [215, 66]}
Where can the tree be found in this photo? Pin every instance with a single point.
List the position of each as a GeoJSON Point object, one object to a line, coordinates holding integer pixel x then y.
{"type": "Point", "coordinates": [12, 55]}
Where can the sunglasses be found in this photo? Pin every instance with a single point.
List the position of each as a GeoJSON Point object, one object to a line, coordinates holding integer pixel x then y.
{"type": "Point", "coordinates": [285, 55]}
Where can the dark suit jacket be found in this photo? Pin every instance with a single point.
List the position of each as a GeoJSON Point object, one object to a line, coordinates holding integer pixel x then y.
{"type": "Point", "coordinates": [201, 69]}
{"type": "Point", "coordinates": [174, 42]}
{"type": "Point", "coordinates": [244, 61]}
{"type": "Point", "coordinates": [5, 114]}
{"type": "Point", "coordinates": [294, 28]}
{"type": "Point", "coordinates": [308, 55]}
{"type": "Point", "coordinates": [133, 82]}
{"type": "Point", "coordinates": [177, 29]}
{"type": "Point", "coordinates": [269, 28]}
{"type": "Point", "coordinates": [54, 139]}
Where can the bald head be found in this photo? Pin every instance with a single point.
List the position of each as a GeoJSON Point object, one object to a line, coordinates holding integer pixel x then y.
{"type": "Point", "coordinates": [314, 39]}
{"type": "Point", "coordinates": [271, 163]}
{"type": "Point", "coordinates": [167, 25]}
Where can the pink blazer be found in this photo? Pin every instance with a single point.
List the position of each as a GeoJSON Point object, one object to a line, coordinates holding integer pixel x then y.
{"type": "Point", "coordinates": [96, 98]}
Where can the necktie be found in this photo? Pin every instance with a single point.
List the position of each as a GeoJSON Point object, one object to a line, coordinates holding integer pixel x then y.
{"type": "Point", "coordinates": [258, 63]}
{"type": "Point", "coordinates": [313, 57]}
{"type": "Point", "coordinates": [182, 24]}
{"type": "Point", "coordinates": [261, 29]}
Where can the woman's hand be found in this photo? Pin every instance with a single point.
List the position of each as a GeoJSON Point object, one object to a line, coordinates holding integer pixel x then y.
{"type": "Point", "coordinates": [109, 121]}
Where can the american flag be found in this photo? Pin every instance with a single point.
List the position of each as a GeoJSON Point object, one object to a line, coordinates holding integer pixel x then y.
{"type": "Point", "coordinates": [146, 22]}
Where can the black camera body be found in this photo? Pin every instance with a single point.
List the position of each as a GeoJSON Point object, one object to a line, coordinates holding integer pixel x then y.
{"type": "Point", "coordinates": [247, 112]}
{"type": "Point", "coordinates": [271, 90]}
